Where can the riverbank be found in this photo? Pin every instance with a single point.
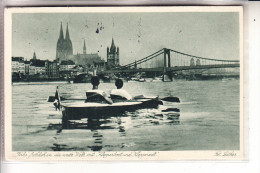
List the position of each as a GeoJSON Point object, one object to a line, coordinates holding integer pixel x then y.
{"type": "Point", "coordinates": [39, 83]}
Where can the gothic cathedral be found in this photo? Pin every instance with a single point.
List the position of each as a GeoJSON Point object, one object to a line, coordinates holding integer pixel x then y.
{"type": "Point", "coordinates": [64, 46]}
{"type": "Point", "coordinates": [113, 55]}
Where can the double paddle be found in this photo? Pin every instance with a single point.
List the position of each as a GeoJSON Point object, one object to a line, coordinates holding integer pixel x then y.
{"type": "Point", "coordinates": [167, 99]}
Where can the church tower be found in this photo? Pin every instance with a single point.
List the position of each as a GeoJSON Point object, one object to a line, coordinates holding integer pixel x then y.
{"type": "Point", "coordinates": [64, 46]}
{"type": "Point", "coordinates": [59, 49]}
{"type": "Point", "coordinates": [84, 48]}
{"type": "Point", "coordinates": [34, 56]}
{"type": "Point", "coordinates": [67, 43]}
{"type": "Point", "coordinates": [113, 54]}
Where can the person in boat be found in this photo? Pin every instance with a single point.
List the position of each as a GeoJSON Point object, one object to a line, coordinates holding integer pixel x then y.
{"type": "Point", "coordinates": [96, 95]}
{"type": "Point", "coordinates": [119, 93]}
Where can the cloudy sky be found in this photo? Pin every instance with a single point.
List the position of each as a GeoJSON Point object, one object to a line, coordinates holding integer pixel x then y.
{"type": "Point", "coordinates": [209, 35]}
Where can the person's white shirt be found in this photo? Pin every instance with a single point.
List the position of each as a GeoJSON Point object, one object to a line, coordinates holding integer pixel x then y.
{"type": "Point", "coordinates": [100, 92]}
{"type": "Point", "coordinates": [121, 93]}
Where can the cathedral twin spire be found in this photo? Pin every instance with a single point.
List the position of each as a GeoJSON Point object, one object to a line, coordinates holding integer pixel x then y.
{"type": "Point", "coordinates": [67, 33]}
{"type": "Point", "coordinates": [64, 45]}
{"type": "Point", "coordinates": [61, 32]}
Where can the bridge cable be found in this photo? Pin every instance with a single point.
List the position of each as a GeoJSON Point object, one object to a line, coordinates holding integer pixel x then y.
{"type": "Point", "coordinates": [133, 63]}
{"type": "Point", "coordinates": [202, 57]}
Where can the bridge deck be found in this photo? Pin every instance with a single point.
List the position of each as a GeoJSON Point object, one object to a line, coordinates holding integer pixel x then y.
{"type": "Point", "coordinates": [169, 69]}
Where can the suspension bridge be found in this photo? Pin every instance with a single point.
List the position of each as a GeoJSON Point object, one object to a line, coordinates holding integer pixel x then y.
{"type": "Point", "coordinates": [169, 60]}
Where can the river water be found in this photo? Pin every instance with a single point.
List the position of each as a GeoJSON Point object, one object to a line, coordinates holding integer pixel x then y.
{"type": "Point", "coordinates": [209, 119]}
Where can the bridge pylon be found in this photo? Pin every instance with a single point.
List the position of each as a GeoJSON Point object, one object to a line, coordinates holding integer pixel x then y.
{"type": "Point", "coordinates": [166, 54]}
{"type": "Point", "coordinates": [167, 63]}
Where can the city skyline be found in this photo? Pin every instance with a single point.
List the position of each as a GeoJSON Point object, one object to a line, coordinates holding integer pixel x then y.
{"type": "Point", "coordinates": [213, 35]}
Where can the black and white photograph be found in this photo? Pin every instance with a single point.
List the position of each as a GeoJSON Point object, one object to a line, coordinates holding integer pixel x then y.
{"type": "Point", "coordinates": [131, 83]}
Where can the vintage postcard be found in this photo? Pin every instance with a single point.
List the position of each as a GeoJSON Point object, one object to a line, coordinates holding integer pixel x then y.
{"type": "Point", "coordinates": [124, 83]}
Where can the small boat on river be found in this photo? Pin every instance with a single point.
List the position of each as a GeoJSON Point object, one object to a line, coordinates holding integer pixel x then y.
{"type": "Point", "coordinates": [141, 80]}
{"type": "Point", "coordinates": [157, 79]}
{"type": "Point", "coordinates": [81, 109]}
{"type": "Point", "coordinates": [77, 111]}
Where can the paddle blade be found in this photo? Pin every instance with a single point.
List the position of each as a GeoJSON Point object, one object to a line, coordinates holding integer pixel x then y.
{"type": "Point", "coordinates": [160, 102]}
{"type": "Point", "coordinates": [171, 110]}
{"type": "Point", "coordinates": [171, 99]}
{"type": "Point", "coordinates": [51, 99]}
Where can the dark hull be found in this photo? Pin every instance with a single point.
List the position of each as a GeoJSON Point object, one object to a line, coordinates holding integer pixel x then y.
{"type": "Point", "coordinates": [77, 113]}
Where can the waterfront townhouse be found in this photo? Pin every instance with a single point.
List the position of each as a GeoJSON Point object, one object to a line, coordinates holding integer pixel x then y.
{"type": "Point", "coordinates": [18, 65]}
{"type": "Point", "coordinates": [67, 68]}
{"type": "Point", "coordinates": [52, 69]}
{"type": "Point", "coordinates": [27, 67]}
{"type": "Point", "coordinates": [37, 67]}
{"type": "Point", "coordinates": [67, 65]}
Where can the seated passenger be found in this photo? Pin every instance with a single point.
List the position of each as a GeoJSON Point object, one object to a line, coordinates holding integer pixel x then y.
{"type": "Point", "coordinates": [119, 93]}
{"type": "Point", "coordinates": [96, 95]}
